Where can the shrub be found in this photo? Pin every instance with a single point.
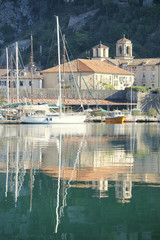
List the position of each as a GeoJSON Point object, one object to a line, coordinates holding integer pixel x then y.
{"type": "Point", "coordinates": [152, 112]}
{"type": "Point", "coordinates": [136, 113]}
{"type": "Point", "coordinates": [140, 89]}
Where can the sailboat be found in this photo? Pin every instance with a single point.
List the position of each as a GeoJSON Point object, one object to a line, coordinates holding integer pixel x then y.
{"type": "Point", "coordinates": [64, 118]}
{"type": "Point", "coordinates": [57, 117]}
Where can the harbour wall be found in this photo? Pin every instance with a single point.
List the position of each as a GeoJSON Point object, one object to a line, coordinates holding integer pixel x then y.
{"type": "Point", "coordinates": [110, 95]}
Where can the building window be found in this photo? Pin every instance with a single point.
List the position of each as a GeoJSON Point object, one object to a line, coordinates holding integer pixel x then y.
{"type": "Point", "coordinates": [143, 77]}
{"type": "Point", "coordinates": [120, 50]}
{"type": "Point", "coordinates": [97, 52]}
{"type": "Point", "coordinates": [71, 78]}
{"type": "Point", "coordinates": [104, 52]}
{"type": "Point", "coordinates": [153, 85]}
{"type": "Point", "coordinates": [21, 83]}
{"type": "Point", "coordinates": [115, 83]}
{"type": "Point", "coordinates": [30, 83]}
{"type": "Point", "coordinates": [144, 84]}
{"type": "Point", "coordinates": [127, 50]}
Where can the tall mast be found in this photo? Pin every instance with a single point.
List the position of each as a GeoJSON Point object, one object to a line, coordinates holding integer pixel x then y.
{"type": "Point", "coordinates": [64, 59]}
{"type": "Point", "coordinates": [131, 91]}
{"type": "Point", "coordinates": [31, 69]}
{"type": "Point", "coordinates": [17, 72]}
{"type": "Point", "coordinates": [59, 67]}
{"type": "Point", "coordinates": [11, 79]}
{"type": "Point", "coordinates": [7, 76]}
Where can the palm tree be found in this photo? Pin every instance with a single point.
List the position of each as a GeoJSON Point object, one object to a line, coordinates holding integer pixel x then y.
{"type": "Point", "coordinates": [152, 100]}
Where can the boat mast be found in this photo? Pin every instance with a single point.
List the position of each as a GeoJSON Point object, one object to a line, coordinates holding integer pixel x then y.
{"type": "Point", "coordinates": [59, 67]}
{"type": "Point", "coordinates": [64, 59]}
{"type": "Point", "coordinates": [31, 69]}
{"type": "Point", "coordinates": [17, 72]}
{"type": "Point", "coordinates": [131, 91]}
{"type": "Point", "coordinates": [7, 76]}
{"type": "Point", "coordinates": [11, 79]}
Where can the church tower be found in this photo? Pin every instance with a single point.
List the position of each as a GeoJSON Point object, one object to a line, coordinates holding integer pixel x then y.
{"type": "Point", "coordinates": [124, 49]}
{"type": "Point", "coordinates": [100, 52]}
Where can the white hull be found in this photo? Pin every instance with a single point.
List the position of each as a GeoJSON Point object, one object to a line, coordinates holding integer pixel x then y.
{"type": "Point", "coordinates": [34, 119]}
{"type": "Point", "coordinates": [130, 118]}
{"type": "Point", "coordinates": [66, 119]}
{"type": "Point", "coordinates": [54, 119]}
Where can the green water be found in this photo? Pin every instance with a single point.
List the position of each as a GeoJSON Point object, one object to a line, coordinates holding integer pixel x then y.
{"type": "Point", "coordinates": [92, 181]}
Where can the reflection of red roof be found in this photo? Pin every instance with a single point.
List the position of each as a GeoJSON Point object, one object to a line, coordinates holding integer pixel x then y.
{"type": "Point", "coordinates": [87, 173]}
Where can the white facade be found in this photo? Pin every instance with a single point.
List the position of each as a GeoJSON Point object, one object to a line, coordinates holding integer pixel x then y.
{"type": "Point", "coordinates": [95, 81]}
{"type": "Point", "coordinates": [24, 79]}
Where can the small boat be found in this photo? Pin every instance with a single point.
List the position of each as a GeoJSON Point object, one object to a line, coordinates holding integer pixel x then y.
{"type": "Point", "coordinates": [10, 116]}
{"type": "Point", "coordinates": [115, 117]}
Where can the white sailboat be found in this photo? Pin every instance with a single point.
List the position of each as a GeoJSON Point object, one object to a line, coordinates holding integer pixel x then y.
{"type": "Point", "coordinates": [64, 118]}
{"type": "Point", "coordinates": [57, 117]}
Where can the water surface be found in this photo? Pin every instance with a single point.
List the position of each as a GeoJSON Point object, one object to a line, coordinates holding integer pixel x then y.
{"type": "Point", "coordinates": [89, 181]}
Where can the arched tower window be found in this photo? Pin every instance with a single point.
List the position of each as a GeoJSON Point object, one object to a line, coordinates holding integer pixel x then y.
{"type": "Point", "coordinates": [128, 50]}
{"type": "Point", "coordinates": [97, 52]}
{"type": "Point", "coordinates": [120, 50]}
{"type": "Point", "coordinates": [104, 52]}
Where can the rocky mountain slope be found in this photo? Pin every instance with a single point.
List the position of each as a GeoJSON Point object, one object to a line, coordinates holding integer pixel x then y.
{"type": "Point", "coordinates": [84, 22]}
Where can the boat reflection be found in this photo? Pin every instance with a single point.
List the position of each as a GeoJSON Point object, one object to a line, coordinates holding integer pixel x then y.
{"type": "Point", "coordinates": [87, 158]}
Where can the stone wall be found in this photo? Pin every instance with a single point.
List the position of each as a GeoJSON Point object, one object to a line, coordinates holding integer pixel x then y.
{"type": "Point", "coordinates": [111, 95]}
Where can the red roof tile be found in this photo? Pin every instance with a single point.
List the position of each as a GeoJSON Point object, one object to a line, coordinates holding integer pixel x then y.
{"type": "Point", "coordinates": [85, 65]}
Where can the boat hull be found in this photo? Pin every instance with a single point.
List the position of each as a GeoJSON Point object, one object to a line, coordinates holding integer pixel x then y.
{"type": "Point", "coordinates": [54, 119]}
{"type": "Point", "coordinates": [66, 119]}
{"type": "Point", "coordinates": [119, 119]}
{"type": "Point", "coordinates": [34, 120]}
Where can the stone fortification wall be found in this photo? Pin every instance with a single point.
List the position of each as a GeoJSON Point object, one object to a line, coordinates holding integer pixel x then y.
{"type": "Point", "coordinates": [137, 97]}
{"type": "Point", "coordinates": [110, 95]}
{"type": "Point", "coordinates": [70, 93]}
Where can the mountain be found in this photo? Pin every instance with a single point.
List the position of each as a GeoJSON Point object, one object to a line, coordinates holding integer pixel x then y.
{"type": "Point", "coordinates": [84, 22]}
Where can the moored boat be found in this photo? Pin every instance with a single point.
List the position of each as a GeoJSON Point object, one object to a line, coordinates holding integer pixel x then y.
{"type": "Point", "coordinates": [115, 117]}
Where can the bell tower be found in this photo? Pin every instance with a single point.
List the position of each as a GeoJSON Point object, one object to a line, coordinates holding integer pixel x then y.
{"type": "Point", "coordinates": [100, 52]}
{"type": "Point", "coordinates": [124, 49]}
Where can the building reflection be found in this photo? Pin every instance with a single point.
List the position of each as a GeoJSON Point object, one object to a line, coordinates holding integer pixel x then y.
{"type": "Point", "coordinates": [51, 174]}
{"type": "Point", "coordinates": [87, 159]}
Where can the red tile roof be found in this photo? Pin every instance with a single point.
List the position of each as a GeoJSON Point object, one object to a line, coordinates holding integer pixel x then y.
{"type": "Point", "coordinates": [124, 40]}
{"type": "Point", "coordinates": [71, 101]}
{"type": "Point", "coordinates": [85, 65]}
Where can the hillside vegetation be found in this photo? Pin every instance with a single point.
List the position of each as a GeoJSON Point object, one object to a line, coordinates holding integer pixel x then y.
{"type": "Point", "coordinates": [140, 24]}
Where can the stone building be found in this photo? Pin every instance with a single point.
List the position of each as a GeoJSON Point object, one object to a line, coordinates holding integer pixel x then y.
{"type": "Point", "coordinates": [93, 74]}
{"type": "Point", "coordinates": [145, 70]}
{"type": "Point", "coordinates": [24, 78]}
